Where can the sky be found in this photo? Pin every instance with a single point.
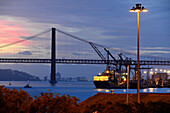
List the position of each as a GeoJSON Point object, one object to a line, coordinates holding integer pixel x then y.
{"type": "Point", "coordinates": [106, 22]}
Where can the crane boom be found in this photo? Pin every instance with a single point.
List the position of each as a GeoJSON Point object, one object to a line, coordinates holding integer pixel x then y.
{"type": "Point", "coordinates": [97, 51]}
{"type": "Point", "coordinates": [110, 54]}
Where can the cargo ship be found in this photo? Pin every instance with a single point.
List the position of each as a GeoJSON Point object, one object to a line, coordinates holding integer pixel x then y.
{"type": "Point", "coordinates": [112, 79]}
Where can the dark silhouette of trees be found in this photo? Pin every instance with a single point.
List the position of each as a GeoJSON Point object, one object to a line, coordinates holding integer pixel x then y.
{"type": "Point", "coordinates": [15, 101]}
{"type": "Point", "coordinates": [53, 103]}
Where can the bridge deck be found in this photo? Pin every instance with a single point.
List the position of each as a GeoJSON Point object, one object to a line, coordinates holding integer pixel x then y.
{"type": "Point", "coordinates": [83, 61]}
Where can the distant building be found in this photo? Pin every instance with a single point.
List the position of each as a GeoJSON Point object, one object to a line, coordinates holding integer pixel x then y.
{"type": "Point", "coordinates": [81, 79]}
{"type": "Point", "coordinates": [58, 76]}
{"type": "Point", "coordinates": [45, 78]}
{"type": "Point", "coordinates": [160, 77]}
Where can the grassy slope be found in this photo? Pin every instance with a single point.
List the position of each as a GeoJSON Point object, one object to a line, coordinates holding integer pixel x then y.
{"type": "Point", "coordinates": [106, 97]}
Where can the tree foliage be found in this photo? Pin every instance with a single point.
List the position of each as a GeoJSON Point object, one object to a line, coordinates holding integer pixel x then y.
{"type": "Point", "coordinates": [15, 101]}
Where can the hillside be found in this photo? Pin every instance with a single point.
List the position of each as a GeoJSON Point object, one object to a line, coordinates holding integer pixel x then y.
{"type": "Point", "coordinates": [15, 75]}
{"type": "Point", "coordinates": [117, 103]}
{"type": "Point", "coordinates": [108, 97]}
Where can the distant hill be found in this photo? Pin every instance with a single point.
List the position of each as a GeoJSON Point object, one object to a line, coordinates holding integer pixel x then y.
{"type": "Point", "coordinates": [15, 75]}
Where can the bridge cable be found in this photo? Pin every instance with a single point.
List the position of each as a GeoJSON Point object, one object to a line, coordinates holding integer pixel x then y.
{"type": "Point", "coordinates": [114, 49]}
{"type": "Point", "coordinates": [28, 38]}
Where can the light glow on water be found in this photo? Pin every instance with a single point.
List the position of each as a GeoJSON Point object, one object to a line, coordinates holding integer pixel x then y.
{"type": "Point", "coordinates": [99, 90]}
{"type": "Point", "coordinates": [145, 90]}
{"type": "Point", "coordinates": [107, 90]}
{"type": "Point", "coordinates": [153, 90]}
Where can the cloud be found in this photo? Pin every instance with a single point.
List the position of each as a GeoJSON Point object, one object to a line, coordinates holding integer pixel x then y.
{"type": "Point", "coordinates": [150, 52]}
{"type": "Point", "coordinates": [155, 48]}
{"type": "Point", "coordinates": [25, 53]}
{"type": "Point", "coordinates": [80, 54]}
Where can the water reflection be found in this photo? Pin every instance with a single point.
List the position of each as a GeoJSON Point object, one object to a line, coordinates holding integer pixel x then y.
{"type": "Point", "coordinates": [99, 90]}
{"type": "Point", "coordinates": [153, 89]}
{"type": "Point", "coordinates": [107, 90]}
{"type": "Point", "coordinates": [53, 85]}
{"type": "Point", "coordinates": [103, 90]}
{"type": "Point", "coordinates": [145, 90]}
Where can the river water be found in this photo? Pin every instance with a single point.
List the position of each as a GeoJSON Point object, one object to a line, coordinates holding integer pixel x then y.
{"type": "Point", "coordinates": [81, 90]}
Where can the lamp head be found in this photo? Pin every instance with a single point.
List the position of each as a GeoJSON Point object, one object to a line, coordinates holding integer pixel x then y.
{"type": "Point", "coordinates": [138, 8]}
{"type": "Point", "coordinates": [144, 9]}
{"type": "Point", "coordinates": [132, 10]}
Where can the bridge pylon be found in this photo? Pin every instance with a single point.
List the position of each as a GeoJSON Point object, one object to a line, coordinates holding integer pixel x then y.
{"type": "Point", "coordinates": [53, 57]}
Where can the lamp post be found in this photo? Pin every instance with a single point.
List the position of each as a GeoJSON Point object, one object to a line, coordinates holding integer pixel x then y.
{"type": "Point", "coordinates": [138, 9]}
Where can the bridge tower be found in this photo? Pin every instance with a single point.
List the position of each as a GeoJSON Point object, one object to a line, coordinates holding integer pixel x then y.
{"type": "Point", "coordinates": [53, 57]}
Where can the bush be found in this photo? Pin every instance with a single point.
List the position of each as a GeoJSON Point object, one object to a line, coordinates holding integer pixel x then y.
{"type": "Point", "coordinates": [53, 103]}
{"type": "Point", "coordinates": [15, 101]}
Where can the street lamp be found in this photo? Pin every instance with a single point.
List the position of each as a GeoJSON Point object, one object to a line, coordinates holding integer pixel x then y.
{"type": "Point", "coordinates": [138, 9]}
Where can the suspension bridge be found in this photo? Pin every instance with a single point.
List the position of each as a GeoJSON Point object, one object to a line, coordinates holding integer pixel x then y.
{"type": "Point", "coordinates": [62, 52]}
